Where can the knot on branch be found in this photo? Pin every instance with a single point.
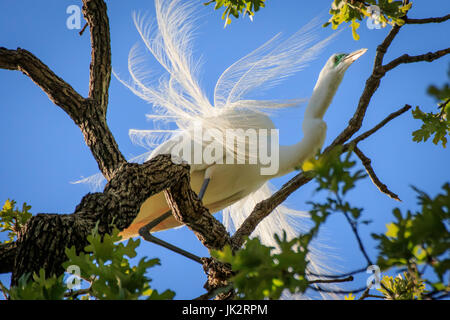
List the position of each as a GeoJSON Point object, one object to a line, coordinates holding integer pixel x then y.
{"type": "Point", "coordinates": [378, 73]}
{"type": "Point", "coordinates": [218, 274]}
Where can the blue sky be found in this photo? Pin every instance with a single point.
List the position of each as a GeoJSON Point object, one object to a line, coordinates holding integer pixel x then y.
{"type": "Point", "coordinates": [43, 151]}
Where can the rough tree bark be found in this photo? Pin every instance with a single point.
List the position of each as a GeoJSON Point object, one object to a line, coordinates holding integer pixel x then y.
{"type": "Point", "coordinates": [42, 242]}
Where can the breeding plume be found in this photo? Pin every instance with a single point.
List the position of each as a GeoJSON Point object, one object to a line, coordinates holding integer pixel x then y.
{"type": "Point", "coordinates": [177, 98]}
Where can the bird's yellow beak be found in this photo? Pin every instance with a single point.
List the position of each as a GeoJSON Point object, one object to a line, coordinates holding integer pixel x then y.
{"type": "Point", "coordinates": [354, 55]}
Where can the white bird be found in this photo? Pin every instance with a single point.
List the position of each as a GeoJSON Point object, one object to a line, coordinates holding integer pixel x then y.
{"type": "Point", "coordinates": [233, 188]}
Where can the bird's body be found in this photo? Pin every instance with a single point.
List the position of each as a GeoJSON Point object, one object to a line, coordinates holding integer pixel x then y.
{"type": "Point", "coordinates": [233, 188]}
{"type": "Point", "coordinates": [228, 184]}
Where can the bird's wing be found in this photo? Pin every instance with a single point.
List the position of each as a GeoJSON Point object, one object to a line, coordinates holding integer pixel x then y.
{"type": "Point", "coordinates": [268, 65]}
{"type": "Point", "coordinates": [177, 97]}
{"type": "Point", "coordinates": [213, 133]}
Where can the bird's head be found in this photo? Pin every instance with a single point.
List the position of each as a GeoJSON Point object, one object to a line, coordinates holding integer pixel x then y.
{"type": "Point", "coordinates": [338, 63]}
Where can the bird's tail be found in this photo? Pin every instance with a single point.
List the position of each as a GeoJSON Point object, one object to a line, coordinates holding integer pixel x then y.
{"type": "Point", "coordinates": [283, 218]}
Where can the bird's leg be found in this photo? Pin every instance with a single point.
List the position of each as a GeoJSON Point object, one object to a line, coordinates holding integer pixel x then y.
{"type": "Point", "coordinates": [145, 231]}
{"type": "Point", "coordinates": [203, 188]}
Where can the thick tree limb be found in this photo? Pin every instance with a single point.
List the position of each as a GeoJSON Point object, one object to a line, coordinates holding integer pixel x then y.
{"type": "Point", "coordinates": [188, 209]}
{"type": "Point", "coordinates": [100, 70]}
{"type": "Point", "coordinates": [7, 256]}
{"type": "Point", "coordinates": [88, 114]}
{"type": "Point", "coordinates": [265, 207]}
{"type": "Point", "coordinates": [59, 91]}
{"type": "Point", "coordinates": [119, 203]}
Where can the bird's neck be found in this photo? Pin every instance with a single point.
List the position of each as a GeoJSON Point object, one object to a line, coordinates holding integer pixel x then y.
{"type": "Point", "coordinates": [313, 127]}
{"type": "Point", "coordinates": [323, 93]}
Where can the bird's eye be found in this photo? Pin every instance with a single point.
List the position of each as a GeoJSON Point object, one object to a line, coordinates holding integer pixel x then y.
{"type": "Point", "coordinates": [338, 58]}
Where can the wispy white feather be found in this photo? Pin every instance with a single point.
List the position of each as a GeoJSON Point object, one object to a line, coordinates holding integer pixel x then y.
{"type": "Point", "coordinates": [177, 95]}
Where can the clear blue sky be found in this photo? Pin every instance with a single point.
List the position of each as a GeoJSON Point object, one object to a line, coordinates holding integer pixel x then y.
{"type": "Point", "coordinates": [43, 151]}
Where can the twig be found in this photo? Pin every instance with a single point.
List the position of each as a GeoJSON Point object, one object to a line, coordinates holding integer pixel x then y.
{"type": "Point", "coordinates": [429, 57]}
{"type": "Point", "coordinates": [7, 255]}
{"type": "Point", "coordinates": [442, 107]}
{"type": "Point", "coordinates": [427, 20]}
{"type": "Point", "coordinates": [376, 181]}
{"type": "Point", "coordinates": [76, 293]}
{"type": "Point", "coordinates": [333, 276]}
{"type": "Point", "coordinates": [356, 233]}
{"type": "Point", "coordinates": [368, 133]}
{"type": "Point", "coordinates": [347, 279]}
{"type": "Point", "coordinates": [336, 291]}
{"type": "Point", "coordinates": [367, 295]}
{"type": "Point", "coordinates": [82, 30]}
{"type": "Point", "coordinates": [4, 290]}
{"type": "Point", "coordinates": [215, 292]}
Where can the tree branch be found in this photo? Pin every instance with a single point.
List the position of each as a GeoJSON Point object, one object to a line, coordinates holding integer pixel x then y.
{"type": "Point", "coordinates": [371, 86]}
{"type": "Point", "coordinates": [59, 91]}
{"type": "Point", "coordinates": [189, 210]}
{"type": "Point", "coordinates": [336, 291]}
{"type": "Point", "coordinates": [96, 16]}
{"type": "Point", "coordinates": [7, 256]}
{"type": "Point", "coordinates": [265, 207]}
{"type": "Point", "coordinates": [367, 164]}
{"type": "Point", "coordinates": [45, 236]}
{"type": "Point", "coordinates": [334, 276]}
{"type": "Point", "coordinates": [368, 133]}
{"type": "Point", "coordinates": [429, 57]}
{"type": "Point", "coordinates": [88, 114]}
{"type": "Point", "coordinates": [427, 20]}
{"type": "Point", "coordinates": [347, 279]}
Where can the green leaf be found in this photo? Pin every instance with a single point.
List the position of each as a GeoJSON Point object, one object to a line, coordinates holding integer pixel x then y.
{"type": "Point", "coordinates": [12, 219]}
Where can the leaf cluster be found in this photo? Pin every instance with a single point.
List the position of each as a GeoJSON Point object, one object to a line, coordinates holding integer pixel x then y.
{"type": "Point", "coordinates": [351, 11]}
{"type": "Point", "coordinates": [105, 270]}
{"type": "Point", "coordinates": [236, 7]}
{"type": "Point", "coordinates": [420, 238]}
{"type": "Point", "coordinates": [402, 287]}
{"type": "Point", "coordinates": [12, 219]}
{"type": "Point", "coordinates": [265, 272]}
{"type": "Point", "coordinates": [437, 124]}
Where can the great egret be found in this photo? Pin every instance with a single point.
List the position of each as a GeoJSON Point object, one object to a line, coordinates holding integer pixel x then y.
{"type": "Point", "coordinates": [178, 98]}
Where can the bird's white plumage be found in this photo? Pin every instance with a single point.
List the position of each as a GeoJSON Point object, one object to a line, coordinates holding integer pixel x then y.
{"type": "Point", "coordinates": [177, 98]}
